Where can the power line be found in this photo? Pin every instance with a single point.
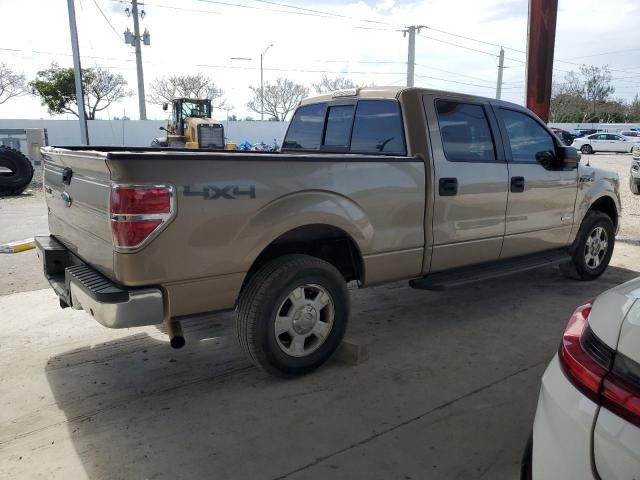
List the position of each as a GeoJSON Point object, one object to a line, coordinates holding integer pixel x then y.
{"type": "Point", "coordinates": [237, 5]}
{"type": "Point", "coordinates": [107, 20]}
{"type": "Point", "coordinates": [602, 53]}
{"type": "Point", "coordinates": [331, 14]}
{"type": "Point", "coordinates": [453, 73]}
{"type": "Point", "coordinates": [492, 87]}
{"type": "Point", "coordinates": [458, 45]}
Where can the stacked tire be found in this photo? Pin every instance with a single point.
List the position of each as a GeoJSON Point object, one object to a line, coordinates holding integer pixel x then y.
{"type": "Point", "coordinates": [19, 174]}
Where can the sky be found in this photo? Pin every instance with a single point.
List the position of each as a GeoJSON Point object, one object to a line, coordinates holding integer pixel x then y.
{"type": "Point", "coordinates": [362, 40]}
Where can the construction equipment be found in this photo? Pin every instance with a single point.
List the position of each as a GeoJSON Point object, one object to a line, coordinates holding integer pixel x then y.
{"type": "Point", "coordinates": [190, 126]}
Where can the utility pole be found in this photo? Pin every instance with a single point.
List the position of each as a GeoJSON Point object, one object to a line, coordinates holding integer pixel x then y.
{"type": "Point", "coordinates": [500, 69]}
{"type": "Point", "coordinates": [82, 117]}
{"type": "Point", "coordinates": [134, 39]}
{"type": "Point", "coordinates": [411, 57]}
{"type": "Point", "coordinates": [262, 82]}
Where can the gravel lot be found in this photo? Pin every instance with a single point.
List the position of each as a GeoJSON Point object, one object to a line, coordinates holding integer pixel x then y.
{"type": "Point", "coordinates": [449, 391]}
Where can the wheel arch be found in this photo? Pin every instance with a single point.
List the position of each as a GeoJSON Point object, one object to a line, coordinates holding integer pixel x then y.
{"type": "Point", "coordinates": [323, 241]}
{"type": "Point", "coordinates": [319, 223]}
{"type": "Point", "coordinates": [606, 205]}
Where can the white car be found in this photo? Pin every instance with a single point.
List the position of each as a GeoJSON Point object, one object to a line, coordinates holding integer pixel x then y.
{"type": "Point", "coordinates": [604, 142]}
{"type": "Point", "coordinates": [587, 424]}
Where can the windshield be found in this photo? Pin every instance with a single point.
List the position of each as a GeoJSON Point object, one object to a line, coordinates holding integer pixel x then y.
{"type": "Point", "coordinates": [196, 109]}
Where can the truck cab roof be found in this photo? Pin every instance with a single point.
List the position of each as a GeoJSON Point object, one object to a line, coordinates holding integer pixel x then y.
{"type": "Point", "coordinates": [388, 92]}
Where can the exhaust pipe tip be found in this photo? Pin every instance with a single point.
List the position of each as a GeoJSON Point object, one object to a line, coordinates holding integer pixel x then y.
{"type": "Point", "coordinates": [177, 342]}
{"type": "Point", "coordinates": [176, 337]}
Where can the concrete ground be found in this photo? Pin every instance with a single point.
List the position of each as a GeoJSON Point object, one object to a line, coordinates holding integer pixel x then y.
{"type": "Point", "coordinates": [449, 391]}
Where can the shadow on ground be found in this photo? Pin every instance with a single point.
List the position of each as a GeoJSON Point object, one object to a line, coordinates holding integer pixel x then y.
{"type": "Point", "coordinates": [449, 391]}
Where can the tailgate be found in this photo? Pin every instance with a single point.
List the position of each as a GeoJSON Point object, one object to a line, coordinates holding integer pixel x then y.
{"type": "Point", "coordinates": [76, 186]}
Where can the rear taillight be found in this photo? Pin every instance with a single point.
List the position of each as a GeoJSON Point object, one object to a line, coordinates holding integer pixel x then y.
{"type": "Point", "coordinates": [605, 376]}
{"type": "Point", "coordinates": [138, 212]}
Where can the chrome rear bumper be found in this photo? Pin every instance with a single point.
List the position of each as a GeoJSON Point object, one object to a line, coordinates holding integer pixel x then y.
{"type": "Point", "coordinates": [81, 287]}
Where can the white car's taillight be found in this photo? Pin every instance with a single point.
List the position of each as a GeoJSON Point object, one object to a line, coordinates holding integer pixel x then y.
{"type": "Point", "coordinates": [138, 213]}
{"type": "Point", "coordinates": [605, 376]}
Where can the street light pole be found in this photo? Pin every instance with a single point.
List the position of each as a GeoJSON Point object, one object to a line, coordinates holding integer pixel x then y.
{"type": "Point", "coordinates": [262, 82]}
{"type": "Point", "coordinates": [77, 72]}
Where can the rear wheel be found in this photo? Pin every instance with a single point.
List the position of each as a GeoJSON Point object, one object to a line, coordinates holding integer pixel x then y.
{"type": "Point", "coordinates": [634, 184]}
{"type": "Point", "coordinates": [593, 247]}
{"type": "Point", "coordinates": [292, 314]}
{"type": "Point", "coordinates": [586, 149]}
{"type": "Point", "coordinates": [16, 171]}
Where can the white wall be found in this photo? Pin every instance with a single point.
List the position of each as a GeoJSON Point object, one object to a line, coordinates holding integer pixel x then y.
{"type": "Point", "coordinates": [605, 127]}
{"type": "Point", "coordinates": [139, 133]}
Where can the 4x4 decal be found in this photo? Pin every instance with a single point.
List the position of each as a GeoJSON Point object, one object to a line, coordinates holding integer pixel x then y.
{"type": "Point", "coordinates": [214, 192]}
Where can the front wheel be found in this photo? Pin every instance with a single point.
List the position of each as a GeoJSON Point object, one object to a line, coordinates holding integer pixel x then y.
{"type": "Point", "coordinates": [634, 185]}
{"type": "Point", "coordinates": [586, 149]}
{"type": "Point", "coordinates": [292, 314]}
{"type": "Point", "coordinates": [593, 247]}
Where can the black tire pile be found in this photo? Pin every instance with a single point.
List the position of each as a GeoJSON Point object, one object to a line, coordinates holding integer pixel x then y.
{"type": "Point", "coordinates": [14, 181]}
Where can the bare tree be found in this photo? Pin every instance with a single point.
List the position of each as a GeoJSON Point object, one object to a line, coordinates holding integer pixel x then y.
{"type": "Point", "coordinates": [165, 89]}
{"type": "Point", "coordinates": [104, 88]}
{"type": "Point", "coordinates": [597, 85]}
{"type": "Point", "coordinates": [280, 98]}
{"type": "Point", "coordinates": [584, 96]}
{"type": "Point", "coordinates": [56, 88]}
{"type": "Point", "coordinates": [327, 84]}
{"type": "Point", "coordinates": [11, 84]}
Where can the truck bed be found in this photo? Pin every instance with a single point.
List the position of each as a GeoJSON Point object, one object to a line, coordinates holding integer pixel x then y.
{"type": "Point", "coordinates": [231, 205]}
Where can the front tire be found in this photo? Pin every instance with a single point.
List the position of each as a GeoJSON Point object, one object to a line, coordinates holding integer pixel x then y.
{"type": "Point", "coordinates": [634, 185]}
{"type": "Point", "coordinates": [593, 247]}
{"type": "Point", "coordinates": [292, 315]}
{"type": "Point", "coordinates": [586, 149]}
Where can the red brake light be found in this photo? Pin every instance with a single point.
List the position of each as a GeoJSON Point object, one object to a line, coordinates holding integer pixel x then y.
{"type": "Point", "coordinates": [607, 377]}
{"type": "Point", "coordinates": [140, 200]}
{"type": "Point", "coordinates": [137, 212]}
{"type": "Point", "coordinates": [582, 370]}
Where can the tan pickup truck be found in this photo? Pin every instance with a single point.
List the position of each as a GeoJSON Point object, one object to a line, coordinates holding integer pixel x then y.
{"type": "Point", "coordinates": [371, 186]}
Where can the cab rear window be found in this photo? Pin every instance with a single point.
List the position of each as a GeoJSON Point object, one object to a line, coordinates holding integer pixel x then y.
{"type": "Point", "coordinates": [305, 131]}
{"type": "Point", "coordinates": [365, 126]}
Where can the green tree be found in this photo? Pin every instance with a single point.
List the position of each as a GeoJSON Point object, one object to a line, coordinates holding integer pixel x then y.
{"type": "Point", "coordinates": [56, 88]}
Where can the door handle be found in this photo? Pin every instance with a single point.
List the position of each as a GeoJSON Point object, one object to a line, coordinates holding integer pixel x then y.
{"type": "Point", "coordinates": [517, 184]}
{"type": "Point", "coordinates": [448, 187]}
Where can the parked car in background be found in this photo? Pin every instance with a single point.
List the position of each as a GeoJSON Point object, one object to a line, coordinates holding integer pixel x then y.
{"type": "Point", "coordinates": [566, 137]}
{"type": "Point", "coordinates": [582, 132]}
{"type": "Point", "coordinates": [630, 133]}
{"type": "Point", "coordinates": [634, 175]}
{"type": "Point", "coordinates": [603, 142]}
{"type": "Point", "coordinates": [587, 423]}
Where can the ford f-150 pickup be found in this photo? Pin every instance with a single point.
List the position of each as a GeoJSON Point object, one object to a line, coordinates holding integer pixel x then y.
{"type": "Point", "coordinates": [371, 186]}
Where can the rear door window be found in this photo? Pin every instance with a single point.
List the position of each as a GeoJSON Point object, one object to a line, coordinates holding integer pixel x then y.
{"type": "Point", "coordinates": [339, 122]}
{"type": "Point", "coordinates": [305, 131]}
{"type": "Point", "coordinates": [465, 132]}
{"type": "Point", "coordinates": [378, 128]}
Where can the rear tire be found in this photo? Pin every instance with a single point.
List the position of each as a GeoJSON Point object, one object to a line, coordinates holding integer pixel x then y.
{"type": "Point", "coordinates": [586, 149]}
{"type": "Point", "coordinates": [592, 248]}
{"type": "Point", "coordinates": [20, 175]}
{"type": "Point", "coordinates": [292, 315]}
{"type": "Point", "coordinates": [634, 185]}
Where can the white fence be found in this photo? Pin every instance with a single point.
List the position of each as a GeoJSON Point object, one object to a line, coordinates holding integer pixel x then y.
{"type": "Point", "coordinates": [605, 127]}
{"type": "Point", "coordinates": [139, 133]}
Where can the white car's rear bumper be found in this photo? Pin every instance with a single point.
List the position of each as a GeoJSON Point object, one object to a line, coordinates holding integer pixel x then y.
{"type": "Point", "coordinates": [562, 429]}
{"type": "Point", "coordinates": [617, 447]}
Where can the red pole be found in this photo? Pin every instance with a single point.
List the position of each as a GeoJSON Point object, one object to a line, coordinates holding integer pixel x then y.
{"type": "Point", "coordinates": [540, 45]}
